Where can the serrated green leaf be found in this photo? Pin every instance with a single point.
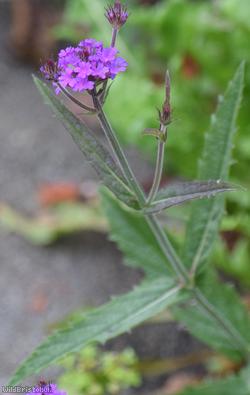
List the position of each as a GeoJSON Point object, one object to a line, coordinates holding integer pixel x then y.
{"type": "Point", "coordinates": [95, 152]}
{"type": "Point", "coordinates": [183, 192]}
{"type": "Point", "coordinates": [215, 162]}
{"type": "Point", "coordinates": [232, 335]}
{"type": "Point", "coordinates": [134, 238]}
{"type": "Point", "coordinates": [235, 384]}
{"type": "Point", "coordinates": [116, 317]}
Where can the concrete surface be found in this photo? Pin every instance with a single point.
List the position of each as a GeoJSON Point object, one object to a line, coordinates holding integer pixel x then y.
{"type": "Point", "coordinates": [82, 270]}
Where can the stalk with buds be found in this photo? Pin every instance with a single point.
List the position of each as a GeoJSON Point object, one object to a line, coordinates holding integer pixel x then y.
{"type": "Point", "coordinates": [211, 310]}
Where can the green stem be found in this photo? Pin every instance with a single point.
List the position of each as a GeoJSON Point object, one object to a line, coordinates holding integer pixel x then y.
{"type": "Point", "coordinates": [222, 321]}
{"type": "Point", "coordinates": [167, 248]}
{"type": "Point", "coordinates": [117, 151]}
{"type": "Point", "coordinates": [159, 233]}
{"type": "Point", "coordinates": [103, 94]}
{"type": "Point", "coordinates": [158, 172]}
{"type": "Point", "coordinates": [162, 238]}
{"type": "Point", "coordinates": [74, 100]}
{"type": "Point", "coordinates": [114, 36]}
{"type": "Point", "coordinates": [113, 41]}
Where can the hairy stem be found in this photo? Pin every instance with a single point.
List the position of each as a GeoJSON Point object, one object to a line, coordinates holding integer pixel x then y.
{"type": "Point", "coordinates": [158, 172]}
{"type": "Point", "coordinates": [159, 233]}
{"type": "Point", "coordinates": [74, 100]}
{"type": "Point", "coordinates": [167, 248]}
{"type": "Point", "coordinates": [112, 44]}
{"type": "Point", "coordinates": [222, 321]}
{"type": "Point", "coordinates": [117, 151]}
{"type": "Point", "coordinates": [114, 36]}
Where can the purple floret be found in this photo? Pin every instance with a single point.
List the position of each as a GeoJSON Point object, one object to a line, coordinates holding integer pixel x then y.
{"type": "Point", "coordinates": [79, 68]}
{"type": "Point", "coordinates": [44, 389]}
{"type": "Point", "coordinates": [109, 54]}
{"type": "Point", "coordinates": [118, 65]}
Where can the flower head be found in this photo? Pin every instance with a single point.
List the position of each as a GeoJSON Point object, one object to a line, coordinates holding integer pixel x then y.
{"type": "Point", "coordinates": [80, 67]}
{"type": "Point", "coordinates": [46, 389]}
{"type": "Point", "coordinates": [117, 14]}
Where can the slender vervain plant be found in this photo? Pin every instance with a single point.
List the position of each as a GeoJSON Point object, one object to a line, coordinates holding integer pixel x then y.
{"type": "Point", "coordinates": [181, 280]}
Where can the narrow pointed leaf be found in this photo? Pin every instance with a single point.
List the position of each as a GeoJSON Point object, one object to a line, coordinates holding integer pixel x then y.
{"type": "Point", "coordinates": [227, 326]}
{"type": "Point", "coordinates": [95, 152]}
{"type": "Point", "coordinates": [116, 317]}
{"type": "Point", "coordinates": [134, 238]}
{"type": "Point", "coordinates": [235, 384]}
{"type": "Point", "coordinates": [215, 162]}
{"type": "Point", "coordinates": [152, 132]}
{"type": "Point", "coordinates": [183, 192]}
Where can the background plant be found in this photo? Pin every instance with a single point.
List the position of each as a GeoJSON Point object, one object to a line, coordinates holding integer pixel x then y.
{"type": "Point", "coordinates": [169, 32]}
{"type": "Point", "coordinates": [95, 372]}
{"type": "Point", "coordinates": [202, 43]}
{"type": "Point", "coordinates": [181, 280]}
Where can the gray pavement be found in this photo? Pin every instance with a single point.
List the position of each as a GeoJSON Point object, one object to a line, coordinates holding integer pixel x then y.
{"type": "Point", "coordinates": [39, 286]}
{"type": "Point", "coordinates": [34, 148]}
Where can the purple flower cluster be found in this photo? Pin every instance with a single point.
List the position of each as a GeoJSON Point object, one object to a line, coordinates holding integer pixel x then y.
{"type": "Point", "coordinates": [46, 389]}
{"type": "Point", "coordinates": [80, 68]}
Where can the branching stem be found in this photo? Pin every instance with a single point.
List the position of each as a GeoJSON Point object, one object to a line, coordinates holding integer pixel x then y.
{"type": "Point", "coordinates": [159, 233]}
{"type": "Point", "coordinates": [74, 100]}
{"type": "Point", "coordinates": [222, 321]}
{"type": "Point", "coordinates": [161, 237]}
{"type": "Point", "coordinates": [158, 170]}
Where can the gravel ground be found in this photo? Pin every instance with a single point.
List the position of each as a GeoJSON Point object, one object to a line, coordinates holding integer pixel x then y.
{"type": "Point", "coordinates": [82, 270]}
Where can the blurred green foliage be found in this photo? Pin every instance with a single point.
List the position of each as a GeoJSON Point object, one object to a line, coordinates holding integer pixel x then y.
{"type": "Point", "coordinates": [96, 372]}
{"type": "Point", "coordinates": [54, 222]}
{"type": "Point", "coordinates": [201, 43]}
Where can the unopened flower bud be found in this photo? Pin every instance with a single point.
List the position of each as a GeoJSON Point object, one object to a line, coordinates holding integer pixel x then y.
{"type": "Point", "coordinates": [116, 14]}
{"type": "Point", "coordinates": [165, 113]}
{"type": "Point", "coordinates": [50, 70]}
